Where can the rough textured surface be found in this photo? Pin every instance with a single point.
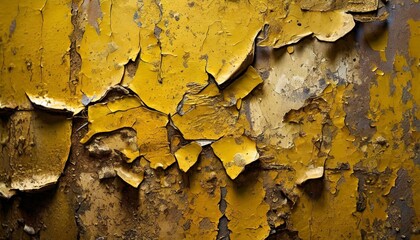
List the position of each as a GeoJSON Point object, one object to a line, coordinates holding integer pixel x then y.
{"type": "Point", "coordinates": [260, 119]}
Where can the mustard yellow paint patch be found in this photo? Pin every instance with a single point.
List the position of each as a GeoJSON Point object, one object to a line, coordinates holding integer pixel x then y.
{"type": "Point", "coordinates": [110, 40]}
{"type": "Point", "coordinates": [221, 41]}
{"type": "Point", "coordinates": [204, 116]}
{"type": "Point", "coordinates": [335, 209]}
{"type": "Point", "coordinates": [187, 155]}
{"type": "Point", "coordinates": [247, 210]}
{"type": "Point", "coordinates": [387, 113]}
{"type": "Point", "coordinates": [414, 52]}
{"type": "Point", "coordinates": [35, 148]}
{"type": "Point", "coordinates": [235, 153]}
{"type": "Point", "coordinates": [202, 214]}
{"type": "Point", "coordinates": [180, 47]}
{"type": "Point", "coordinates": [161, 78]}
{"type": "Point", "coordinates": [207, 122]}
{"type": "Point", "coordinates": [379, 42]}
{"type": "Point", "coordinates": [134, 178]}
{"type": "Point", "coordinates": [414, 37]}
{"type": "Point", "coordinates": [242, 86]}
{"type": "Point", "coordinates": [345, 5]}
{"type": "Point", "coordinates": [297, 24]}
{"type": "Point", "coordinates": [149, 125]}
{"type": "Point", "coordinates": [35, 43]}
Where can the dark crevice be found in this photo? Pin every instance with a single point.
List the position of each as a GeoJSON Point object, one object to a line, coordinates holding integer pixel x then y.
{"type": "Point", "coordinates": [130, 68]}
{"type": "Point", "coordinates": [223, 230]}
{"type": "Point", "coordinates": [282, 233]}
{"type": "Point", "coordinates": [75, 58]}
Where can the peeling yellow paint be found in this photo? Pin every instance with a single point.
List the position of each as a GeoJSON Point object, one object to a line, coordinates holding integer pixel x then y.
{"type": "Point", "coordinates": [235, 153]}
{"type": "Point", "coordinates": [35, 148]}
{"type": "Point", "coordinates": [315, 206]}
{"type": "Point", "coordinates": [332, 209]}
{"type": "Point", "coordinates": [34, 45]}
{"type": "Point", "coordinates": [187, 155]}
{"type": "Point", "coordinates": [204, 116]}
{"type": "Point", "coordinates": [134, 178]}
{"type": "Point", "coordinates": [203, 213]}
{"type": "Point", "coordinates": [221, 44]}
{"type": "Point", "coordinates": [297, 24]}
{"type": "Point", "coordinates": [242, 86]}
{"type": "Point", "coordinates": [200, 88]}
{"type": "Point", "coordinates": [222, 40]}
{"type": "Point", "coordinates": [110, 40]}
{"type": "Point", "coordinates": [247, 210]}
{"type": "Point", "coordinates": [311, 173]}
{"type": "Point", "coordinates": [149, 125]}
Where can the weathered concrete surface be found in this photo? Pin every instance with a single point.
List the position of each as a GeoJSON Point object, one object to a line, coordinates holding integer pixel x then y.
{"type": "Point", "coordinates": [209, 119]}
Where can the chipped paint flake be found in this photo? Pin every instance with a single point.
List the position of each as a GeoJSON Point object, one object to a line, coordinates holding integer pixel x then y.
{"type": "Point", "coordinates": [235, 153]}
{"type": "Point", "coordinates": [132, 177]}
{"type": "Point", "coordinates": [204, 116]}
{"type": "Point", "coordinates": [325, 26]}
{"type": "Point", "coordinates": [150, 126]}
{"type": "Point", "coordinates": [35, 148]}
{"type": "Point", "coordinates": [187, 155]}
{"type": "Point", "coordinates": [242, 86]}
{"type": "Point", "coordinates": [312, 173]}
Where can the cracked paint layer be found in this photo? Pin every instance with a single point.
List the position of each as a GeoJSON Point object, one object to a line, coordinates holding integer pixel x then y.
{"type": "Point", "coordinates": [235, 153]}
{"type": "Point", "coordinates": [37, 55]}
{"type": "Point", "coordinates": [205, 116]}
{"type": "Point", "coordinates": [150, 126]}
{"type": "Point", "coordinates": [242, 86]}
{"type": "Point", "coordinates": [34, 150]}
{"type": "Point", "coordinates": [187, 155]}
{"type": "Point", "coordinates": [297, 24]}
{"type": "Point", "coordinates": [246, 211]}
{"type": "Point", "coordinates": [110, 40]}
{"type": "Point", "coordinates": [333, 120]}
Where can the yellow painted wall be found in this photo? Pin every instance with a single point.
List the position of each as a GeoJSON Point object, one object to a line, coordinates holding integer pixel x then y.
{"type": "Point", "coordinates": [211, 119]}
